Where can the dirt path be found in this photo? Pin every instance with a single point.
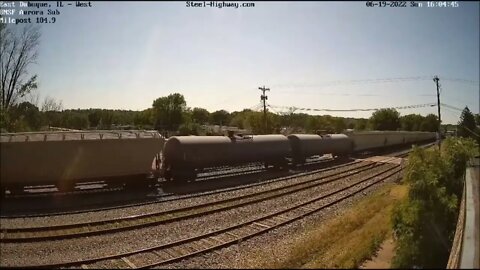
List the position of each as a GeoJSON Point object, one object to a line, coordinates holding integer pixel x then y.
{"type": "Point", "coordinates": [383, 258]}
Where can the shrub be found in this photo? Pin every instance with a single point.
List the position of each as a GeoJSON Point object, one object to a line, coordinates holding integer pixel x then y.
{"type": "Point", "coordinates": [425, 223]}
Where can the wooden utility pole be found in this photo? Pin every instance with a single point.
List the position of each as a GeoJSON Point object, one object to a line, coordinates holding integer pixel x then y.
{"type": "Point", "coordinates": [264, 98]}
{"type": "Point", "coordinates": [436, 79]}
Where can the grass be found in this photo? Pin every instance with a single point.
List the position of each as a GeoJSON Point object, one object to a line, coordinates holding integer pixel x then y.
{"type": "Point", "coordinates": [345, 241]}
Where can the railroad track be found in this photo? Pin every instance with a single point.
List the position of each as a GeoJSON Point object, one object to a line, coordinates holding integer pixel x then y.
{"type": "Point", "coordinates": [22, 234]}
{"type": "Point", "coordinates": [180, 249]}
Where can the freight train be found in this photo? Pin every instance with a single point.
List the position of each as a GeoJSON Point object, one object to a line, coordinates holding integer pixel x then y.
{"type": "Point", "coordinates": [140, 157]}
{"type": "Point", "coordinates": [184, 156]}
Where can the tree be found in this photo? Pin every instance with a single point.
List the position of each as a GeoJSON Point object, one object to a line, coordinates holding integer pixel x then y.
{"type": "Point", "coordinates": [385, 119]}
{"type": "Point", "coordinates": [411, 122]}
{"type": "Point", "coordinates": [26, 117]}
{"type": "Point", "coordinates": [425, 223]}
{"type": "Point", "coordinates": [477, 119]}
{"type": "Point", "coordinates": [49, 104]}
{"type": "Point", "coordinates": [339, 124]}
{"type": "Point", "coordinates": [200, 115]}
{"type": "Point", "coordinates": [220, 117]}
{"type": "Point", "coordinates": [313, 124]}
{"type": "Point", "coordinates": [361, 124]}
{"type": "Point", "coordinates": [167, 111]}
{"type": "Point", "coordinates": [18, 50]}
{"type": "Point", "coordinates": [238, 119]}
{"type": "Point", "coordinates": [106, 119]}
{"type": "Point", "coordinates": [143, 118]}
{"type": "Point", "coordinates": [94, 118]}
{"type": "Point", "coordinates": [466, 125]}
{"type": "Point", "coordinates": [429, 123]}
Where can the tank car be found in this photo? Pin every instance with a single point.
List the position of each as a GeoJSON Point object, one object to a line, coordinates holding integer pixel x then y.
{"type": "Point", "coordinates": [306, 145]}
{"type": "Point", "coordinates": [65, 158]}
{"type": "Point", "coordinates": [183, 156]}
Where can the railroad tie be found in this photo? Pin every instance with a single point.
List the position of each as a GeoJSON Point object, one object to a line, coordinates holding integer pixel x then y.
{"type": "Point", "coordinates": [170, 252]}
{"type": "Point", "coordinates": [281, 218]}
{"type": "Point", "coordinates": [217, 239]}
{"type": "Point", "coordinates": [309, 208]}
{"type": "Point", "coordinates": [180, 250]}
{"type": "Point", "coordinates": [129, 263]}
{"type": "Point", "coordinates": [162, 254]}
{"type": "Point", "coordinates": [232, 235]}
{"type": "Point", "coordinates": [261, 225]}
{"type": "Point", "coordinates": [209, 243]}
{"type": "Point", "coordinates": [191, 247]}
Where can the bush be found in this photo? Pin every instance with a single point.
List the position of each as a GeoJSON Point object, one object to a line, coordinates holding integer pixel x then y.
{"type": "Point", "coordinates": [425, 223]}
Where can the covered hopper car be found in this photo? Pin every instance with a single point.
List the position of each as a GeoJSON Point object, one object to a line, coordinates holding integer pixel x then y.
{"type": "Point", "coordinates": [66, 158]}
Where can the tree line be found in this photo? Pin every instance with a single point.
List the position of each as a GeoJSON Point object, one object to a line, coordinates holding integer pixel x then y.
{"type": "Point", "coordinates": [170, 113]}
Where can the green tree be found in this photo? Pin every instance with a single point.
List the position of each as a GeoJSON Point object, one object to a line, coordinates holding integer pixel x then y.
{"type": "Point", "coordinates": [200, 115]}
{"type": "Point", "coordinates": [94, 118]}
{"type": "Point", "coordinates": [53, 118]}
{"type": "Point", "coordinates": [339, 124]}
{"type": "Point", "coordinates": [466, 125]}
{"type": "Point", "coordinates": [238, 119]}
{"type": "Point", "coordinates": [313, 124]}
{"type": "Point", "coordinates": [106, 119]}
{"type": "Point", "coordinates": [425, 223]}
{"type": "Point", "coordinates": [429, 123]}
{"type": "Point", "coordinates": [167, 112]}
{"type": "Point", "coordinates": [26, 117]}
{"type": "Point", "coordinates": [477, 119]}
{"type": "Point", "coordinates": [220, 117]}
{"type": "Point", "coordinates": [143, 118]}
{"type": "Point", "coordinates": [74, 119]}
{"type": "Point", "coordinates": [361, 124]}
{"type": "Point", "coordinates": [385, 119]}
{"type": "Point", "coordinates": [411, 122]}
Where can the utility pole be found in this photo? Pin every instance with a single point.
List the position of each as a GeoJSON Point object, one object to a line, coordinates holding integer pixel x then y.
{"type": "Point", "coordinates": [436, 79]}
{"type": "Point", "coordinates": [264, 98]}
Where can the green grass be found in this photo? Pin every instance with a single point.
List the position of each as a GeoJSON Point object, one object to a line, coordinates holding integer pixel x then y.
{"type": "Point", "coordinates": [345, 241]}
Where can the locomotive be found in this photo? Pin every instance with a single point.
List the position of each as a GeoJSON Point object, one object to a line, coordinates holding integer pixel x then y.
{"type": "Point", "coordinates": [136, 157]}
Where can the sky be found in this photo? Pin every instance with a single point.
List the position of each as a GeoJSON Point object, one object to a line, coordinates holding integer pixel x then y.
{"type": "Point", "coordinates": [323, 55]}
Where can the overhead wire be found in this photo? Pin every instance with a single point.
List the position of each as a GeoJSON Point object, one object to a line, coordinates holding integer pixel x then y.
{"type": "Point", "coordinates": [460, 80]}
{"type": "Point", "coordinates": [353, 110]}
{"type": "Point", "coordinates": [366, 81]}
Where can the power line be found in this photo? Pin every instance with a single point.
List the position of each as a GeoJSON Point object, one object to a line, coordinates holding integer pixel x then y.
{"type": "Point", "coordinates": [384, 80]}
{"type": "Point", "coordinates": [460, 80]}
{"type": "Point", "coordinates": [451, 107]}
{"type": "Point", "coordinates": [353, 110]}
